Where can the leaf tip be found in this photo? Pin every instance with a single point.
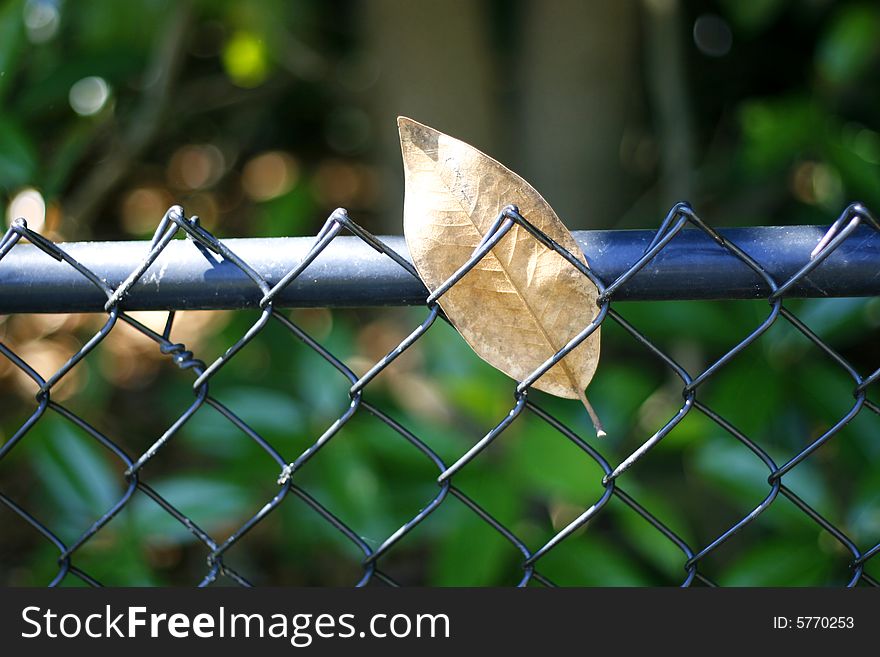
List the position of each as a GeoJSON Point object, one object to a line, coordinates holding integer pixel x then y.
{"type": "Point", "coordinates": [413, 132]}
{"type": "Point", "coordinates": [405, 125]}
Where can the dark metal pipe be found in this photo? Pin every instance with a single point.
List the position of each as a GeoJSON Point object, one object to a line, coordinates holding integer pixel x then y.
{"type": "Point", "coordinates": [351, 273]}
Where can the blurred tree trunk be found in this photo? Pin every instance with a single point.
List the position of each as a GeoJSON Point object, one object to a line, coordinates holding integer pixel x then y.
{"type": "Point", "coordinates": [667, 86]}
{"type": "Point", "coordinates": [550, 95]}
{"type": "Point", "coordinates": [579, 80]}
{"type": "Point", "coordinates": [435, 66]}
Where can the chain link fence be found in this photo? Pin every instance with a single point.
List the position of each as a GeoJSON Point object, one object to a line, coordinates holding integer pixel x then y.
{"type": "Point", "coordinates": [853, 228]}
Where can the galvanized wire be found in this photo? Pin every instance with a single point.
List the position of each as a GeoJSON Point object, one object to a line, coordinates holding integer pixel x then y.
{"type": "Point", "coordinates": [216, 549]}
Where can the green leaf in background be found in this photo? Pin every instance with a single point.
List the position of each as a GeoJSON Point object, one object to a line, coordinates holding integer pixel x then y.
{"type": "Point", "coordinates": [371, 478]}
{"type": "Point", "coordinates": [469, 551]}
{"type": "Point", "coordinates": [645, 539]}
{"type": "Point", "coordinates": [109, 24]}
{"type": "Point", "coordinates": [76, 473]}
{"type": "Point", "coordinates": [68, 154]}
{"type": "Point", "coordinates": [778, 130]}
{"type": "Point", "coordinates": [18, 157]}
{"type": "Point", "coordinates": [590, 560]}
{"type": "Point", "coordinates": [214, 505]}
{"type": "Point", "coordinates": [473, 387]}
{"type": "Point", "coordinates": [864, 515]}
{"type": "Point", "coordinates": [755, 15]}
{"type": "Point", "coordinates": [745, 384]}
{"type": "Point", "coordinates": [835, 320]}
{"type": "Point", "coordinates": [48, 101]}
{"type": "Point", "coordinates": [548, 464]}
{"type": "Point", "coordinates": [775, 563]}
{"type": "Point", "coordinates": [270, 413]}
{"type": "Point", "coordinates": [741, 476]}
{"type": "Point", "coordinates": [850, 45]}
{"type": "Point", "coordinates": [857, 164]}
{"type": "Point", "coordinates": [11, 42]}
{"type": "Point", "coordinates": [621, 387]}
{"type": "Point", "coordinates": [289, 214]}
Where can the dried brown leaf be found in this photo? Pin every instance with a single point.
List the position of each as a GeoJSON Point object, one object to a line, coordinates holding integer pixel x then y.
{"type": "Point", "coordinates": [522, 302]}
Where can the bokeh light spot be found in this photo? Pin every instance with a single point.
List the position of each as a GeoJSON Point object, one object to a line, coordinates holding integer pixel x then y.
{"type": "Point", "coordinates": [246, 60]}
{"type": "Point", "coordinates": [89, 95]}
{"type": "Point", "coordinates": [816, 183]}
{"type": "Point", "coordinates": [270, 175]}
{"type": "Point", "coordinates": [867, 145]}
{"type": "Point", "coordinates": [41, 20]}
{"type": "Point", "coordinates": [342, 183]}
{"type": "Point", "coordinates": [143, 208]}
{"type": "Point", "coordinates": [196, 166]}
{"type": "Point", "coordinates": [31, 205]}
{"type": "Point", "coordinates": [204, 206]}
{"type": "Point", "coordinates": [712, 35]}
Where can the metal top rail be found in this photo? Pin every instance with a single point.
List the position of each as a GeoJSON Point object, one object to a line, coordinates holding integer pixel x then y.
{"type": "Point", "coordinates": [349, 273]}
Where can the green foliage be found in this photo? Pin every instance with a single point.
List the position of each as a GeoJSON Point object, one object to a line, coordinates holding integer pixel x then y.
{"type": "Point", "coordinates": [848, 48]}
{"type": "Point", "coordinates": [18, 158]}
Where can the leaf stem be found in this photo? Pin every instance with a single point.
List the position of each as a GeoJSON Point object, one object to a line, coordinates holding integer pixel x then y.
{"type": "Point", "coordinates": [597, 423]}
